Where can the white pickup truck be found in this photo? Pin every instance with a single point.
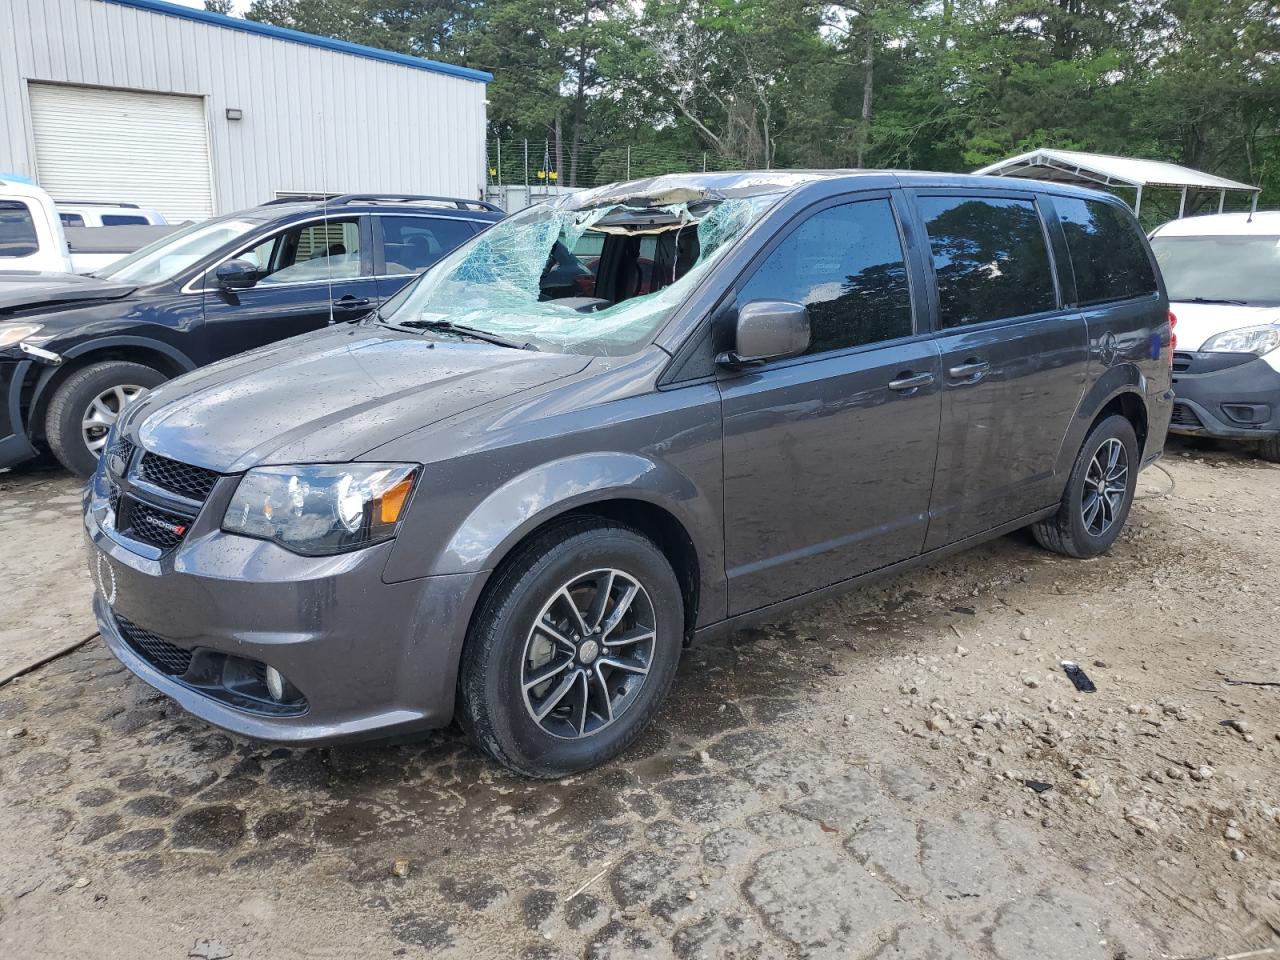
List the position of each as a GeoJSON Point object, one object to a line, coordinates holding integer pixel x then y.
{"type": "Point", "coordinates": [32, 236]}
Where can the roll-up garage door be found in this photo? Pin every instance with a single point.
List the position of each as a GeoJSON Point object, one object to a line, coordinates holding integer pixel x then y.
{"type": "Point", "coordinates": [152, 149]}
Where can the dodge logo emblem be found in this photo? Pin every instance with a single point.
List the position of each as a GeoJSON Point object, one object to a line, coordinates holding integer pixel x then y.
{"type": "Point", "coordinates": [105, 577]}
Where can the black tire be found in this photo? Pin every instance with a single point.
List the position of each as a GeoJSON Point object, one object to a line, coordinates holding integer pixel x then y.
{"type": "Point", "coordinates": [1269, 449]}
{"type": "Point", "coordinates": [492, 703]}
{"type": "Point", "coordinates": [1066, 531]}
{"type": "Point", "coordinates": [71, 403]}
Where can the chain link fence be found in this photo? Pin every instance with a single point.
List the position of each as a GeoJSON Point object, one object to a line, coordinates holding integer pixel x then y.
{"type": "Point", "coordinates": [521, 172]}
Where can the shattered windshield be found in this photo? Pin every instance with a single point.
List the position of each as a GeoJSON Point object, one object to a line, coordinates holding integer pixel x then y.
{"type": "Point", "coordinates": [581, 278]}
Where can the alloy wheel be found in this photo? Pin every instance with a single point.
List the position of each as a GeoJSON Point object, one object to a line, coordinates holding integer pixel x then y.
{"type": "Point", "coordinates": [1105, 483]}
{"type": "Point", "coordinates": [102, 412]}
{"type": "Point", "coordinates": [588, 653]}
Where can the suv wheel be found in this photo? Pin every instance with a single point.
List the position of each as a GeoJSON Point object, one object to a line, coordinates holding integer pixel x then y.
{"type": "Point", "coordinates": [572, 650]}
{"type": "Point", "coordinates": [1099, 493]}
{"type": "Point", "coordinates": [87, 404]}
{"type": "Point", "coordinates": [1269, 449]}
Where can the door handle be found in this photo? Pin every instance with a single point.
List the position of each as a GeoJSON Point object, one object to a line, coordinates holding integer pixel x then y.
{"type": "Point", "coordinates": [971, 371]}
{"type": "Point", "coordinates": [911, 381]}
{"type": "Point", "coordinates": [350, 303]}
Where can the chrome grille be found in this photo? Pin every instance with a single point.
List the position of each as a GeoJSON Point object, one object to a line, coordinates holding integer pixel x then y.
{"type": "Point", "coordinates": [194, 483]}
{"type": "Point", "coordinates": [160, 653]}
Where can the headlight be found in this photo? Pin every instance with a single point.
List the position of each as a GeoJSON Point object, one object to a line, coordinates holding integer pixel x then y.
{"type": "Point", "coordinates": [1256, 340]}
{"type": "Point", "coordinates": [11, 333]}
{"type": "Point", "coordinates": [321, 509]}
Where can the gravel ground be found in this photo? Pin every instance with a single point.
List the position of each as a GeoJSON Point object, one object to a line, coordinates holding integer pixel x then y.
{"type": "Point", "coordinates": [903, 773]}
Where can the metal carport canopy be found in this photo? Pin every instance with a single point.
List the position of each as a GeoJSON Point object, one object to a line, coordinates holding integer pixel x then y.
{"type": "Point", "coordinates": [1100, 169]}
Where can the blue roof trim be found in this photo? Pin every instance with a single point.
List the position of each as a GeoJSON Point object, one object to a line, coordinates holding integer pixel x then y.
{"type": "Point", "coordinates": [309, 39]}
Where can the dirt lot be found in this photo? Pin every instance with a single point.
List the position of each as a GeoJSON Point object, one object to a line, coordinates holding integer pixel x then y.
{"type": "Point", "coordinates": [849, 783]}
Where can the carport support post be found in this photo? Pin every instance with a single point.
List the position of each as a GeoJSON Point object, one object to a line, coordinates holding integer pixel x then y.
{"type": "Point", "coordinates": [1137, 203]}
{"type": "Point", "coordinates": [1182, 203]}
{"type": "Point", "coordinates": [1222, 200]}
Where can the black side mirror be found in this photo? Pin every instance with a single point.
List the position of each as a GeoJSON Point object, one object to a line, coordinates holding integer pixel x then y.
{"type": "Point", "coordinates": [768, 330]}
{"type": "Point", "coordinates": [237, 275]}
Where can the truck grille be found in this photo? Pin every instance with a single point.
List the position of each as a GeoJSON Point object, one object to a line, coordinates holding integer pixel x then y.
{"type": "Point", "coordinates": [166, 657]}
{"type": "Point", "coordinates": [1184, 416]}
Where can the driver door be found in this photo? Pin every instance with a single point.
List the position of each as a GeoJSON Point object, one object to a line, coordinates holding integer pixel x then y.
{"type": "Point", "coordinates": [829, 456]}
{"type": "Point", "coordinates": [312, 274]}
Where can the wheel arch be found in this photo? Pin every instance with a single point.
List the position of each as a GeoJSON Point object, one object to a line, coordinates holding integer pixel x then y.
{"type": "Point", "coordinates": [1121, 389]}
{"type": "Point", "coordinates": [649, 495]}
{"type": "Point", "coordinates": [152, 353]}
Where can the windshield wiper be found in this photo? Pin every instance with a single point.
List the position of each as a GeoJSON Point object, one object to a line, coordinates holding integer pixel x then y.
{"type": "Point", "coordinates": [1238, 303]}
{"type": "Point", "coordinates": [448, 326]}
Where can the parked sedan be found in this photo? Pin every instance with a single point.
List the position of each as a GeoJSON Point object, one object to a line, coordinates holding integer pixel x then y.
{"type": "Point", "coordinates": [74, 351]}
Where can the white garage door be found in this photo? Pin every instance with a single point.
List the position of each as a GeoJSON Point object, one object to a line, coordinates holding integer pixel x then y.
{"type": "Point", "coordinates": [151, 149]}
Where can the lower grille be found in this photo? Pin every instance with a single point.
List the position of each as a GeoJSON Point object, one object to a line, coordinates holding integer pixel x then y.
{"type": "Point", "coordinates": [160, 653]}
{"type": "Point", "coordinates": [160, 528]}
{"type": "Point", "coordinates": [1184, 416]}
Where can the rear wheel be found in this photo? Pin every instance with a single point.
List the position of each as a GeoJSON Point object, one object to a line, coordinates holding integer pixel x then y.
{"type": "Point", "coordinates": [1099, 493]}
{"type": "Point", "coordinates": [572, 650]}
{"type": "Point", "coordinates": [87, 404]}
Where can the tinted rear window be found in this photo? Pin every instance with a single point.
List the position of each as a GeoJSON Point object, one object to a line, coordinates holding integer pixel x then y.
{"type": "Point", "coordinates": [17, 230]}
{"type": "Point", "coordinates": [122, 219]}
{"type": "Point", "coordinates": [1107, 252]}
{"type": "Point", "coordinates": [990, 256]}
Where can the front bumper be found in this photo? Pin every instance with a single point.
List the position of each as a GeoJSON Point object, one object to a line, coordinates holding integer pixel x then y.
{"type": "Point", "coordinates": [370, 658]}
{"type": "Point", "coordinates": [14, 445]}
{"type": "Point", "coordinates": [1227, 395]}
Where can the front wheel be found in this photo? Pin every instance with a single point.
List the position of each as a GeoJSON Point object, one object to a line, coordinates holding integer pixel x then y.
{"type": "Point", "coordinates": [572, 649]}
{"type": "Point", "coordinates": [1269, 449]}
{"type": "Point", "coordinates": [1099, 493]}
{"type": "Point", "coordinates": [87, 404]}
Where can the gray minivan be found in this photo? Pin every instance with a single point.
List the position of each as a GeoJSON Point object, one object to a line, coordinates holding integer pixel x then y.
{"type": "Point", "coordinates": [616, 423]}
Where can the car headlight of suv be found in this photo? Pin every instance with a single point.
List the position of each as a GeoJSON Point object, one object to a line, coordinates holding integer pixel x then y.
{"type": "Point", "coordinates": [1255, 340]}
{"type": "Point", "coordinates": [321, 509]}
{"type": "Point", "coordinates": [14, 333]}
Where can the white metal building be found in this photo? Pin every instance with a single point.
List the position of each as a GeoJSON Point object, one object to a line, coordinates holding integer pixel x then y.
{"type": "Point", "coordinates": [193, 113]}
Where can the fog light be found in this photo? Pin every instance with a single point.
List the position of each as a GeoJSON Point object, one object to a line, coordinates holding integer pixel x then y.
{"type": "Point", "coordinates": [275, 684]}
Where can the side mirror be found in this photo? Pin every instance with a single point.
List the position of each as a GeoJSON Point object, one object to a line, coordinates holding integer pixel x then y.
{"type": "Point", "coordinates": [768, 330]}
{"type": "Point", "coordinates": [237, 275]}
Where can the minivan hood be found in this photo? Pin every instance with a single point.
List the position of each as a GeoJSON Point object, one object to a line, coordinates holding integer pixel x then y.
{"type": "Point", "coordinates": [1197, 322]}
{"type": "Point", "coordinates": [330, 396]}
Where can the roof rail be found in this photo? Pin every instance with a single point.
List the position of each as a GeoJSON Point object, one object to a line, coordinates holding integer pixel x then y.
{"type": "Point", "coordinates": [412, 198]}
{"type": "Point", "coordinates": [99, 203]}
{"type": "Point", "coordinates": [298, 198]}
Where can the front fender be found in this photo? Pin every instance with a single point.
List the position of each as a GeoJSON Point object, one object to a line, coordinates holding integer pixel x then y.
{"type": "Point", "coordinates": [510, 512]}
{"type": "Point", "coordinates": [112, 342]}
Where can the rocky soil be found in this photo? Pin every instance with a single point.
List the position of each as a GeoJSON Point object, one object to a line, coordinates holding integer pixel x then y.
{"type": "Point", "coordinates": [906, 772]}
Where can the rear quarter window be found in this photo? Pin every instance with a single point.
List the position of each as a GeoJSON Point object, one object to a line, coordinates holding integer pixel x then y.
{"type": "Point", "coordinates": [990, 258]}
{"type": "Point", "coordinates": [1107, 253]}
{"type": "Point", "coordinates": [123, 219]}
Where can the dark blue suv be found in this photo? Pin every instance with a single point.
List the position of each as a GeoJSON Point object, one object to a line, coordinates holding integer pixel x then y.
{"type": "Point", "coordinates": [74, 350]}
